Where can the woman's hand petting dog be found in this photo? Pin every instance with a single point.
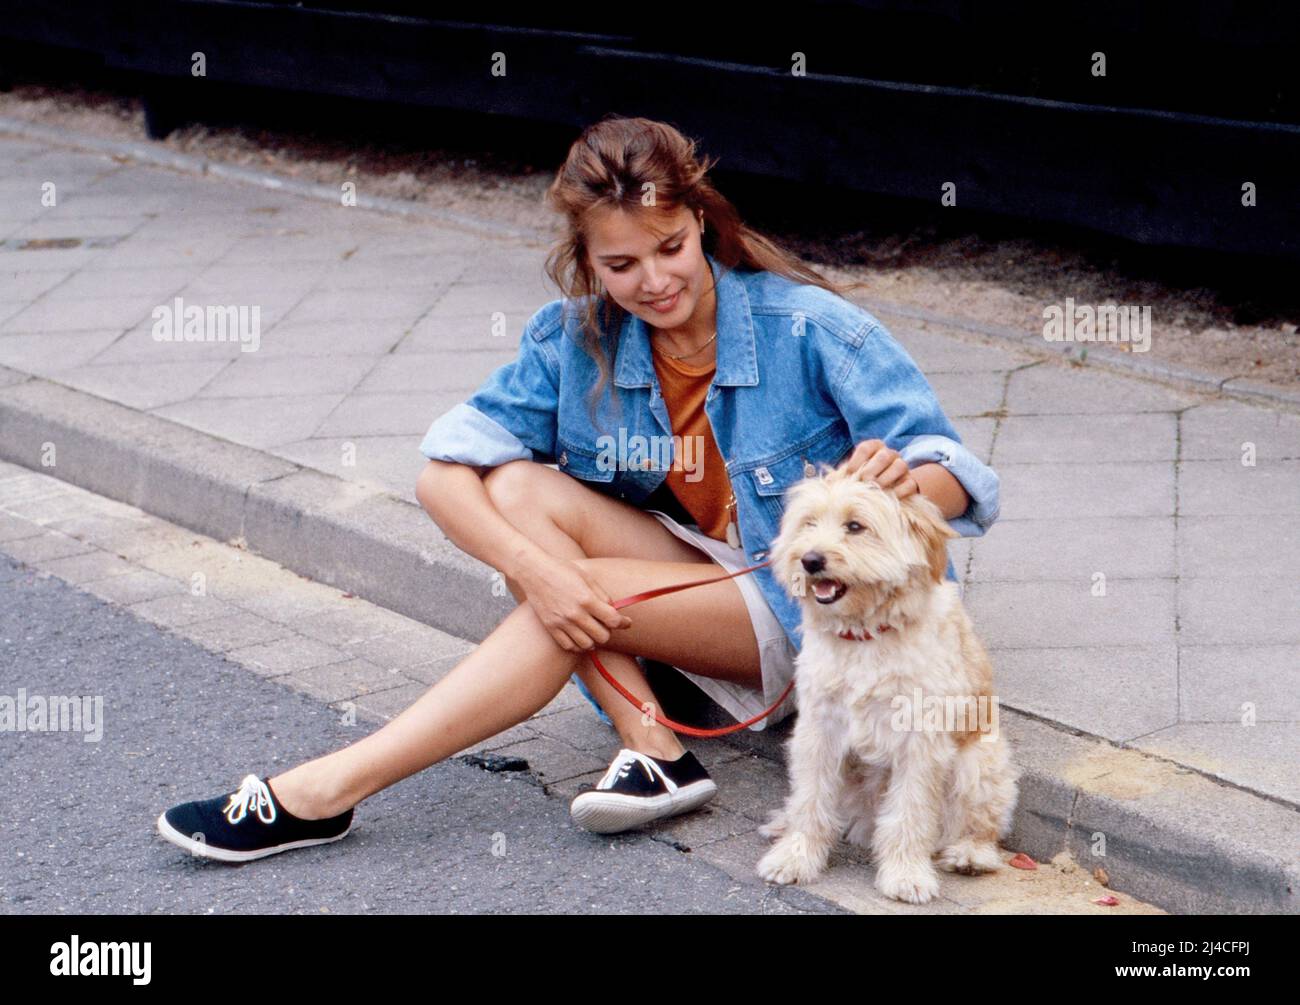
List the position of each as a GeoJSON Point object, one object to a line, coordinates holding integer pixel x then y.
{"type": "Point", "coordinates": [883, 465]}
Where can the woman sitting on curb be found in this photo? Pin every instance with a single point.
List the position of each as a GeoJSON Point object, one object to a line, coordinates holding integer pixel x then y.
{"type": "Point", "coordinates": [678, 394]}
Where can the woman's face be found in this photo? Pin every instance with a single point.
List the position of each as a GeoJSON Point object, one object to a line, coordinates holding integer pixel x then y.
{"type": "Point", "coordinates": [639, 266]}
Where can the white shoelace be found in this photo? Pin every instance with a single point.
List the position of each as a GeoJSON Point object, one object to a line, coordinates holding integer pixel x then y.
{"type": "Point", "coordinates": [252, 791]}
{"type": "Point", "coordinates": [623, 764]}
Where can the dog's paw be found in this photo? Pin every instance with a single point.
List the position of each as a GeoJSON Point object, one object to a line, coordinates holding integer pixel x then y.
{"type": "Point", "coordinates": [915, 883]}
{"type": "Point", "coordinates": [792, 860]}
{"type": "Point", "coordinates": [776, 825]}
{"type": "Point", "coordinates": [970, 858]}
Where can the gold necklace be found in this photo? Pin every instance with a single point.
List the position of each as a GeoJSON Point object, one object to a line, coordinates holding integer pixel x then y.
{"type": "Point", "coordinates": [687, 355]}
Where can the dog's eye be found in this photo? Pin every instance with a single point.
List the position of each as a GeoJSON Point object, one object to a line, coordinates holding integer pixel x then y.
{"type": "Point", "coordinates": [853, 527]}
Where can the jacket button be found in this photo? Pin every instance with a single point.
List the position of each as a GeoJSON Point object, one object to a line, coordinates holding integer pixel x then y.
{"type": "Point", "coordinates": [564, 457]}
{"type": "Point", "coordinates": [808, 469]}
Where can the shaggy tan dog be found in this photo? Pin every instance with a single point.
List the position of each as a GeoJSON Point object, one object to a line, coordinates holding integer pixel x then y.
{"type": "Point", "coordinates": [896, 744]}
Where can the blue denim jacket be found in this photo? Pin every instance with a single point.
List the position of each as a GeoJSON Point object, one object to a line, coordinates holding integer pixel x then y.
{"type": "Point", "coordinates": [802, 377]}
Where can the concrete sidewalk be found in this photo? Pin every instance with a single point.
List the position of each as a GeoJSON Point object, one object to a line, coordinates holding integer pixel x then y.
{"type": "Point", "coordinates": [1137, 598]}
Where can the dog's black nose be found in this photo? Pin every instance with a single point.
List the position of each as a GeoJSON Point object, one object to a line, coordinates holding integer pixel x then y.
{"type": "Point", "coordinates": [814, 561]}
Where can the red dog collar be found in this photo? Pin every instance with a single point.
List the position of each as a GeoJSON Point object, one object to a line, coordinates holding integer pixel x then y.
{"type": "Point", "coordinates": [865, 636]}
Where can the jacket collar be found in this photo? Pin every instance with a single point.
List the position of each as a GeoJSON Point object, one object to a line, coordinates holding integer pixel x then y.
{"type": "Point", "coordinates": [737, 357]}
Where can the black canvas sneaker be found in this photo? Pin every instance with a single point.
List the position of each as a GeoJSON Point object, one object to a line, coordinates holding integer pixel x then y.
{"type": "Point", "coordinates": [639, 788]}
{"type": "Point", "coordinates": [248, 823]}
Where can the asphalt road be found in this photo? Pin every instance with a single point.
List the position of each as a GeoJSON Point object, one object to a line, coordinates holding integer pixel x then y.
{"type": "Point", "coordinates": [77, 832]}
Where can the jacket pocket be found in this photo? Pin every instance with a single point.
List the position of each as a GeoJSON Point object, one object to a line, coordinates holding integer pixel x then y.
{"type": "Point", "coordinates": [771, 479]}
{"type": "Point", "coordinates": [583, 463]}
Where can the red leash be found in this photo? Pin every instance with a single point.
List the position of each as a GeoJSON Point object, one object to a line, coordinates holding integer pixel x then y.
{"type": "Point", "coordinates": [641, 705]}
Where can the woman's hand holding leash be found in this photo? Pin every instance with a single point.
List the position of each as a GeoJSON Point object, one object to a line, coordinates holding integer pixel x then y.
{"type": "Point", "coordinates": [573, 607]}
{"type": "Point", "coordinates": [576, 610]}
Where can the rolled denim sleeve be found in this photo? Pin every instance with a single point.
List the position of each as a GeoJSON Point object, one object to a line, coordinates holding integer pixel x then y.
{"type": "Point", "coordinates": [883, 395]}
{"type": "Point", "coordinates": [978, 479]}
{"type": "Point", "coordinates": [512, 416]}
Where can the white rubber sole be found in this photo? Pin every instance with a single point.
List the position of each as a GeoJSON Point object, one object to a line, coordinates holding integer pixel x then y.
{"type": "Point", "coordinates": [205, 850]}
{"type": "Point", "coordinates": [612, 812]}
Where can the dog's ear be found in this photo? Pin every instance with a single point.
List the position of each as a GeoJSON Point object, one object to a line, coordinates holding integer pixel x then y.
{"type": "Point", "coordinates": [926, 521]}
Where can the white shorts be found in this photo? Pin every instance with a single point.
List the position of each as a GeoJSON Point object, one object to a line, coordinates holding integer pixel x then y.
{"type": "Point", "coordinates": [776, 653]}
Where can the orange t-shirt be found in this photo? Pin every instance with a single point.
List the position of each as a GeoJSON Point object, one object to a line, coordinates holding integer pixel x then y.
{"type": "Point", "coordinates": [698, 476]}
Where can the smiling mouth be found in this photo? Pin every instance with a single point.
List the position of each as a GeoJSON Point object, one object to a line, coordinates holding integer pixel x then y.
{"type": "Point", "coordinates": [660, 303]}
{"type": "Point", "coordinates": [827, 591]}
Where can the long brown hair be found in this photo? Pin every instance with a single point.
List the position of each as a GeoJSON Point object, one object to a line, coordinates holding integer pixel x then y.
{"type": "Point", "coordinates": [611, 165]}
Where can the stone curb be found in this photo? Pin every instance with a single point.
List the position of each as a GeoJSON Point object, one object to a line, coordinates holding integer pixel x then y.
{"type": "Point", "coordinates": [1170, 835]}
{"type": "Point", "coordinates": [385, 549]}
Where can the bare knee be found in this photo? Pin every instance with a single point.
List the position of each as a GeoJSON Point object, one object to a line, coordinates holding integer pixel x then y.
{"type": "Point", "coordinates": [513, 486]}
{"type": "Point", "coordinates": [537, 500]}
{"type": "Point", "coordinates": [510, 481]}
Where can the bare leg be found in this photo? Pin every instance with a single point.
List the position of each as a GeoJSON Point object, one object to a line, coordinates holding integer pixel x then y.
{"type": "Point", "coordinates": [516, 671]}
{"type": "Point", "coordinates": [550, 515]}
{"type": "Point", "coordinates": [519, 668]}
{"type": "Point", "coordinates": [652, 739]}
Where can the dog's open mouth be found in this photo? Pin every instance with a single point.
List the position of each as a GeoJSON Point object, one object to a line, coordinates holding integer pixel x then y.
{"type": "Point", "coordinates": [827, 591]}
